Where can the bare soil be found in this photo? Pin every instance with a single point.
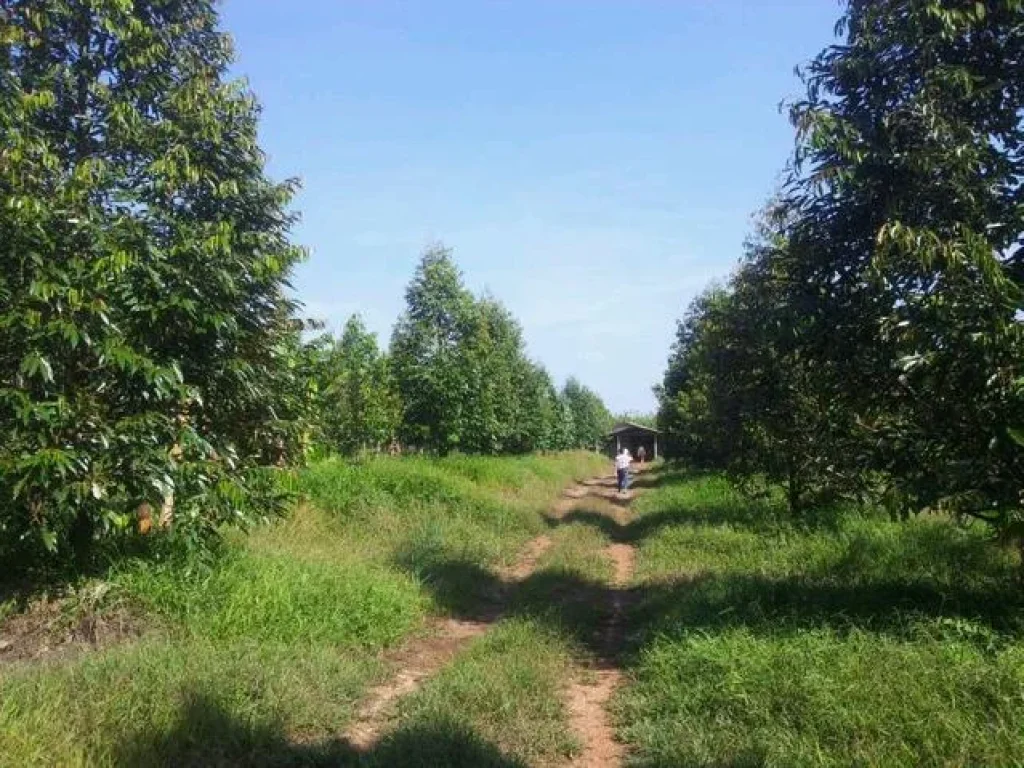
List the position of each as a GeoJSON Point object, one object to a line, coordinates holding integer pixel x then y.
{"type": "Point", "coordinates": [414, 662]}
{"type": "Point", "coordinates": [527, 561]}
{"type": "Point", "coordinates": [64, 625]}
{"type": "Point", "coordinates": [588, 699]}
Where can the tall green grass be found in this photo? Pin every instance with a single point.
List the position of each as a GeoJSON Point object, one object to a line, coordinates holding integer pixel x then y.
{"type": "Point", "coordinates": [259, 656]}
{"type": "Point", "coordinates": [847, 639]}
{"type": "Point", "coordinates": [277, 598]}
{"type": "Point", "coordinates": [501, 703]}
{"type": "Point", "coordinates": [161, 703]}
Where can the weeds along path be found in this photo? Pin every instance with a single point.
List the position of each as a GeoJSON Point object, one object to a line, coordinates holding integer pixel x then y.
{"type": "Point", "coordinates": [588, 698]}
{"type": "Point", "coordinates": [419, 659]}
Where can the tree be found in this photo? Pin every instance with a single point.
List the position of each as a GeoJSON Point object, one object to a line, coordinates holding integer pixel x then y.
{"type": "Point", "coordinates": [144, 256]}
{"type": "Point", "coordinates": [591, 420]}
{"type": "Point", "coordinates": [909, 234]}
{"type": "Point", "coordinates": [637, 417]}
{"type": "Point", "coordinates": [871, 343]}
{"type": "Point", "coordinates": [493, 366]}
{"type": "Point", "coordinates": [465, 381]}
{"type": "Point", "coordinates": [538, 427]}
{"type": "Point", "coordinates": [361, 408]}
{"type": "Point", "coordinates": [739, 394]}
{"type": "Point", "coordinates": [429, 354]}
{"type": "Point", "coordinates": [564, 437]}
{"type": "Point", "coordinates": [693, 411]}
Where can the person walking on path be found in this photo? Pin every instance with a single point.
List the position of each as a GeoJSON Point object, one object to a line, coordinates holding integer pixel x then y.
{"type": "Point", "coordinates": [641, 455]}
{"type": "Point", "coordinates": [622, 462]}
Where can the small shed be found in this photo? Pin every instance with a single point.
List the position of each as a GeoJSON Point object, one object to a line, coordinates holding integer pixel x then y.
{"type": "Point", "coordinates": [626, 434]}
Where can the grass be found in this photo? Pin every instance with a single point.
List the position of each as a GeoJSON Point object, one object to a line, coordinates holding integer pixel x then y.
{"type": "Point", "coordinates": [260, 657]}
{"type": "Point", "coordinates": [277, 598]}
{"type": "Point", "coordinates": [460, 508]}
{"type": "Point", "coordinates": [568, 589]}
{"type": "Point", "coordinates": [504, 696]}
{"type": "Point", "coordinates": [158, 703]}
{"type": "Point", "coordinates": [840, 639]}
{"type": "Point", "coordinates": [820, 698]}
{"type": "Point", "coordinates": [506, 689]}
{"type": "Point", "coordinates": [846, 640]}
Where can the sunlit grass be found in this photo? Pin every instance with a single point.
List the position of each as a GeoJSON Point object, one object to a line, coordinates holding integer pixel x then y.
{"type": "Point", "coordinates": [259, 656]}
{"type": "Point", "coordinates": [854, 640]}
{"type": "Point", "coordinates": [507, 688]}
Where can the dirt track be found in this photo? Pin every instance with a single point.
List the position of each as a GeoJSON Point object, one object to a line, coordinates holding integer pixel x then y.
{"type": "Point", "coordinates": [419, 659]}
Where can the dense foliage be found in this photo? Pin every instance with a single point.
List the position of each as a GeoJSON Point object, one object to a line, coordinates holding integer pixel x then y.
{"type": "Point", "coordinates": [144, 255]}
{"type": "Point", "coordinates": [152, 368]}
{"type": "Point", "coordinates": [590, 418]}
{"type": "Point", "coordinates": [871, 343]}
{"type": "Point", "coordinates": [456, 378]}
{"type": "Point", "coordinates": [360, 409]}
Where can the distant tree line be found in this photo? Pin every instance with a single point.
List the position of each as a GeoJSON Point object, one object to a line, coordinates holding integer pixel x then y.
{"type": "Point", "coordinates": [456, 378]}
{"type": "Point", "coordinates": [870, 345]}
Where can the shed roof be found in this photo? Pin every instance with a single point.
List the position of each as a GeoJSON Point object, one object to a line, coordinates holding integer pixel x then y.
{"type": "Point", "coordinates": [629, 426]}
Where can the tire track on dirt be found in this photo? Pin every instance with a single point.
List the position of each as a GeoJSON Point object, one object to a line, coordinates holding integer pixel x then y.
{"type": "Point", "coordinates": [588, 699]}
{"type": "Point", "coordinates": [416, 661]}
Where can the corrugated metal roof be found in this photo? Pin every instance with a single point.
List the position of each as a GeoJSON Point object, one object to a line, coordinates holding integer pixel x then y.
{"type": "Point", "coordinates": [626, 426]}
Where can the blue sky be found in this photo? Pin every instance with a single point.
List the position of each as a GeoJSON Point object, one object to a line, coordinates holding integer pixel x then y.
{"type": "Point", "coordinates": [593, 164]}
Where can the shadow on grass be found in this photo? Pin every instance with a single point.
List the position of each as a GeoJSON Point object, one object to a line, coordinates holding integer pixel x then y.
{"type": "Point", "coordinates": [736, 515]}
{"type": "Point", "coordinates": [23, 581]}
{"type": "Point", "coordinates": [208, 735]}
{"type": "Point", "coordinates": [460, 587]}
{"type": "Point", "coordinates": [22, 586]}
{"type": "Point", "coordinates": [660, 477]}
{"type": "Point", "coordinates": [467, 590]}
{"type": "Point", "coordinates": [863, 589]}
{"type": "Point", "coordinates": [714, 602]}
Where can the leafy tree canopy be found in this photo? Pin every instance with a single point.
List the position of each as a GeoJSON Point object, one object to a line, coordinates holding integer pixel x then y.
{"type": "Point", "coordinates": [871, 343]}
{"type": "Point", "coordinates": [144, 257]}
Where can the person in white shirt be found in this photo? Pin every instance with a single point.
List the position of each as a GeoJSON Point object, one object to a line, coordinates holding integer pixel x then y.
{"type": "Point", "coordinates": [622, 462]}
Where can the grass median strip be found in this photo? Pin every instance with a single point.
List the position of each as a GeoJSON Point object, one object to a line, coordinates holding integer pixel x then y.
{"type": "Point", "coordinates": [505, 689]}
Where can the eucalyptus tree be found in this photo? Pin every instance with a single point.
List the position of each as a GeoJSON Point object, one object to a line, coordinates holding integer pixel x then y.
{"type": "Point", "coordinates": [429, 354]}
{"type": "Point", "coordinates": [539, 427]}
{"type": "Point", "coordinates": [360, 408]}
{"type": "Point", "coordinates": [591, 419]}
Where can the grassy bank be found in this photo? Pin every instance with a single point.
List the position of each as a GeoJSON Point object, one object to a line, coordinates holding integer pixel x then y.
{"type": "Point", "coordinates": [846, 640]}
{"type": "Point", "coordinates": [261, 656]}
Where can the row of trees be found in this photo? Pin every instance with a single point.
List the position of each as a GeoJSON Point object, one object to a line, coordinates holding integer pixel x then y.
{"type": "Point", "coordinates": [151, 366]}
{"type": "Point", "coordinates": [871, 342]}
{"type": "Point", "coordinates": [456, 377]}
